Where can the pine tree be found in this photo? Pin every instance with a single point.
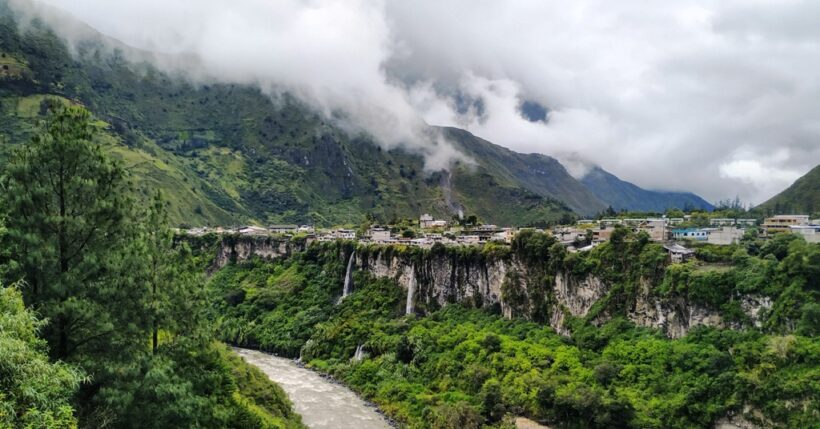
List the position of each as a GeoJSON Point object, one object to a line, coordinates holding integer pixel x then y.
{"type": "Point", "coordinates": [174, 283]}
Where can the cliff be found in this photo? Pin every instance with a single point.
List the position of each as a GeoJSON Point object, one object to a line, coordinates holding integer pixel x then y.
{"type": "Point", "coordinates": [234, 248]}
{"type": "Point", "coordinates": [510, 284]}
{"type": "Point", "coordinates": [507, 283]}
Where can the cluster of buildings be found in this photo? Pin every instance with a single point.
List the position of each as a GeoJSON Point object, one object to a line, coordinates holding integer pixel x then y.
{"type": "Point", "coordinates": [582, 236]}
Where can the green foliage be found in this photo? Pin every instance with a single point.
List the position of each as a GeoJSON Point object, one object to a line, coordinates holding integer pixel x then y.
{"type": "Point", "coordinates": [462, 367]}
{"type": "Point", "coordinates": [34, 393]}
{"type": "Point", "coordinates": [800, 197]}
{"type": "Point", "coordinates": [124, 302]}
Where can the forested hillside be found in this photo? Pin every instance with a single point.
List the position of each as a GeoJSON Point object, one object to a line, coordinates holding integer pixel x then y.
{"type": "Point", "coordinates": [127, 341]}
{"type": "Point", "coordinates": [802, 197]}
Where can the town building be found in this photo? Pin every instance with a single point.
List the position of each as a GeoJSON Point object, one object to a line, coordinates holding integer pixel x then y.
{"type": "Point", "coordinates": [600, 235]}
{"type": "Point", "coordinates": [506, 235]}
{"type": "Point", "coordinates": [656, 228]}
{"type": "Point", "coordinates": [811, 233]}
{"type": "Point", "coordinates": [678, 253]}
{"type": "Point", "coordinates": [746, 222]}
{"type": "Point", "coordinates": [253, 230]}
{"type": "Point", "coordinates": [468, 239]}
{"type": "Point", "coordinates": [379, 235]}
{"type": "Point", "coordinates": [426, 220]}
{"type": "Point", "coordinates": [783, 223]}
{"type": "Point", "coordinates": [609, 222]}
{"type": "Point", "coordinates": [346, 234]}
{"type": "Point", "coordinates": [283, 229]}
{"type": "Point", "coordinates": [694, 234]}
{"type": "Point", "coordinates": [725, 235]}
{"type": "Point", "coordinates": [720, 221]}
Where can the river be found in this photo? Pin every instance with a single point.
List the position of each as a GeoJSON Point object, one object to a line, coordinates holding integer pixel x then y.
{"type": "Point", "coordinates": [322, 403]}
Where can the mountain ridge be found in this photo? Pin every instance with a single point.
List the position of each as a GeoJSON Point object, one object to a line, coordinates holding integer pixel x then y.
{"type": "Point", "coordinates": [622, 195]}
{"type": "Point", "coordinates": [801, 197]}
{"type": "Point", "coordinates": [229, 154]}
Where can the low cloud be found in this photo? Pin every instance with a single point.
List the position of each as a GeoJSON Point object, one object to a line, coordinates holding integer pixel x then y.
{"type": "Point", "coordinates": [715, 98]}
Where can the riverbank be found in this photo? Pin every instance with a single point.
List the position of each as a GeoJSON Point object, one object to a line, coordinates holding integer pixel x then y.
{"type": "Point", "coordinates": [323, 402]}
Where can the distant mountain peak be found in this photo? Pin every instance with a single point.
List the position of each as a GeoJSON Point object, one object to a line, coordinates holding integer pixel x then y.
{"type": "Point", "coordinates": [623, 195]}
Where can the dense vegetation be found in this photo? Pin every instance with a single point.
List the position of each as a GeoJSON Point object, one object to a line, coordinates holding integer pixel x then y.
{"type": "Point", "coordinates": [127, 342]}
{"type": "Point", "coordinates": [462, 366]}
{"type": "Point", "coordinates": [799, 198]}
{"type": "Point", "coordinates": [33, 391]}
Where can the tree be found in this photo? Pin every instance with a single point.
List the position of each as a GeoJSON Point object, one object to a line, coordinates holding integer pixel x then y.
{"type": "Point", "coordinates": [71, 231]}
{"type": "Point", "coordinates": [68, 208]}
{"type": "Point", "coordinates": [173, 282]}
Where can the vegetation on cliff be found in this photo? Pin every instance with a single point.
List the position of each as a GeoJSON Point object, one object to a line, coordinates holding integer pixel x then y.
{"type": "Point", "coordinates": [465, 366]}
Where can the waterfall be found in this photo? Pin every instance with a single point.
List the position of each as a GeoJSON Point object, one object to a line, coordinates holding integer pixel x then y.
{"type": "Point", "coordinates": [411, 292]}
{"type": "Point", "coordinates": [359, 355]}
{"type": "Point", "coordinates": [349, 276]}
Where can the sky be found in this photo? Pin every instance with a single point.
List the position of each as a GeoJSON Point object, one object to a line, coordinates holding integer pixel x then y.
{"type": "Point", "coordinates": [718, 98]}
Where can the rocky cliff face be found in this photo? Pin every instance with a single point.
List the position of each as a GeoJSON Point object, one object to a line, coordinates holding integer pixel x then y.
{"type": "Point", "coordinates": [238, 249]}
{"type": "Point", "coordinates": [445, 279]}
{"type": "Point", "coordinates": [506, 282]}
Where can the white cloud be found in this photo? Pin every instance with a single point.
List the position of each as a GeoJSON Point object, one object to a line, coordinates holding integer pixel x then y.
{"type": "Point", "coordinates": [690, 95]}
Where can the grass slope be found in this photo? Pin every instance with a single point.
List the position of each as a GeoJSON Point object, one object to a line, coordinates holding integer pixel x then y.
{"type": "Point", "coordinates": [802, 197]}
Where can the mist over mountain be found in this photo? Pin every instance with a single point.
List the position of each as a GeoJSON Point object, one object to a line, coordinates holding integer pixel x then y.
{"type": "Point", "coordinates": [684, 93]}
{"type": "Point", "coordinates": [231, 153]}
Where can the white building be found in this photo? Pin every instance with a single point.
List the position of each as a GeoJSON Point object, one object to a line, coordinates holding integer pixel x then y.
{"type": "Point", "coordinates": [253, 230]}
{"type": "Point", "coordinates": [609, 222]}
{"type": "Point", "coordinates": [347, 234]}
{"type": "Point", "coordinates": [720, 221]}
{"type": "Point", "coordinates": [725, 235]}
{"type": "Point", "coordinates": [811, 233]}
{"type": "Point", "coordinates": [426, 221]}
{"type": "Point", "coordinates": [379, 234]}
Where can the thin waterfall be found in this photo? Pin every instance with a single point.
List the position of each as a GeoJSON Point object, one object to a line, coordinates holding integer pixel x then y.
{"type": "Point", "coordinates": [359, 355]}
{"type": "Point", "coordinates": [411, 293]}
{"type": "Point", "coordinates": [349, 276]}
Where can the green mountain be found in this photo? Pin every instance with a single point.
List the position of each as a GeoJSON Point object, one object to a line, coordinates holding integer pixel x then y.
{"type": "Point", "coordinates": [802, 197]}
{"type": "Point", "coordinates": [622, 195]}
{"type": "Point", "coordinates": [227, 154]}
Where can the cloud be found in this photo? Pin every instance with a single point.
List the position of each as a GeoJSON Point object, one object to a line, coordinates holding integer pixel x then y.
{"type": "Point", "coordinates": [328, 53]}
{"type": "Point", "coordinates": [690, 95]}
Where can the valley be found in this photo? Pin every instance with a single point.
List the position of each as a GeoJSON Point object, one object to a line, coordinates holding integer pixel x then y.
{"type": "Point", "coordinates": [213, 231]}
